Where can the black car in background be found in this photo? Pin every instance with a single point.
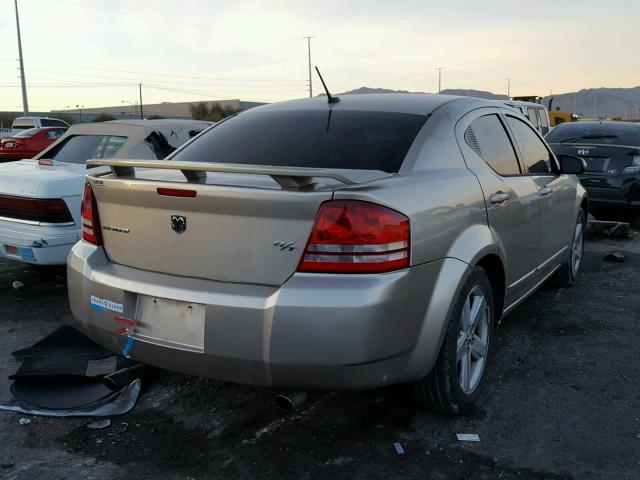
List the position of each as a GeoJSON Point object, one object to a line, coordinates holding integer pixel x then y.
{"type": "Point", "coordinates": [612, 153]}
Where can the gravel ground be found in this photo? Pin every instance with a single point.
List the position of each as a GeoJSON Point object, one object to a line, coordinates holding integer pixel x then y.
{"type": "Point", "coordinates": [562, 402]}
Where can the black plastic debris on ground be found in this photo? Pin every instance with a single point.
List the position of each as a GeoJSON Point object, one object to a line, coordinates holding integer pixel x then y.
{"type": "Point", "coordinates": [615, 257]}
{"type": "Point", "coordinates": [66, 374]}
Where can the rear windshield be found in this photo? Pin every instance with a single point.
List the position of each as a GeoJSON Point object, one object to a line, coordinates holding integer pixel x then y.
{"type": "Point", "coordinates": [22, 125]}
{"type": "Point", "coordinates": [79, 148]}
{"type": "Point", "coordinates": [309, 138]}
{"type": "Point", "coordinates": [28, 133]}
{"type": "Point", "coordinates": [596, 133]}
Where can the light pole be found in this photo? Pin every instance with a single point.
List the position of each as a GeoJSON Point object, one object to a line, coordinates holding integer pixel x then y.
{"type": "Point", "coordinates": [309, 58]}
{"type": "Point", "coordinates": [80, 107]}
{"type": "Point", "coordinates": [439, 78]}
{"type": "Point", "coordinates": [25, 103]}
{"type": "Point", "coordinates": [509, 88]}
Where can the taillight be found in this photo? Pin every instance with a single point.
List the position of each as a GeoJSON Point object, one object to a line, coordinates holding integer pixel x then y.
{"type": "Point", "coordinates": [634, 167]}
{"type": "Point", "coordinates": [89, 215]}
{"type": "Point", "coordinates": [351, 236]}
{"type": "Point", "coordinates": [41, 210]}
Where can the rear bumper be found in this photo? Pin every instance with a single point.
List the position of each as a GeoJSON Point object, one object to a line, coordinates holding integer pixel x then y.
{"type": "Point", "coordinates": [613, 191]}
{"type": "Point", "coordinates": [345, 332]}
{"type": "Point", "coordinates": [36, 244]}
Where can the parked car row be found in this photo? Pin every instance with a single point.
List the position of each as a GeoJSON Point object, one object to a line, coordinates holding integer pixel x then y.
{"type": "Point", "coordinates": [346, 244]}
{"type": "Point", "coordinates": [40, 197]}
{"type": "Point", "coordinates": [26, 123]}
{"type": "Point", "coordinates": [28, 143]}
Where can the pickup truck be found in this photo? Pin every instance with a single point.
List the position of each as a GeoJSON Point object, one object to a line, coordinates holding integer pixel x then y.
{"type": "Point", "coordinates": [23, 123]}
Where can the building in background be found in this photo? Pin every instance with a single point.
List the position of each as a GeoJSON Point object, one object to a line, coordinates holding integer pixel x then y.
{"type": "Point", "coordinates": [164, 109]}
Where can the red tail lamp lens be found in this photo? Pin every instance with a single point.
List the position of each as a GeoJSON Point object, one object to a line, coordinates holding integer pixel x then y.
{"type": "Point", "coordinates": [90, 219]}
{"type": "Point", "coordinates": [351, 236]}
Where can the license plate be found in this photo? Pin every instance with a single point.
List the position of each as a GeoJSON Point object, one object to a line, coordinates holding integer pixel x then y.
{"type": "Point", "coordinates": [170, 323]}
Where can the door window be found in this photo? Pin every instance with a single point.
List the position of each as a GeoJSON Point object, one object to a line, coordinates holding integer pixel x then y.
{"type": "Point", "coordinates": [54, 134]}
{"type": "Point", "coordinates": [535, 155]}
{"type": "Point", "coordinates": [533, 117]}
{"type": "Point", "coordinates": [487, 137]}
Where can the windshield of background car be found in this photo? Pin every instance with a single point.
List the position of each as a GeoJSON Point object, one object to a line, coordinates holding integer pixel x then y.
{"type": "Point", "coordinates": [595, 133]}
{"type": "Point", "coordinates": [79, 148]}
{"type": "Point", "coordinates": [349, 139]}
{"type": "Point", "coordinates": [28, 133]}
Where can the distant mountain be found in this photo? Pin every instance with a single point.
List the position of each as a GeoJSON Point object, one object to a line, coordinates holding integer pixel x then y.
{"type": "Point", "coordinates": [608, 102]}
{"type": "Point", "coordinates": [375, 90]}
{"type": "Point", "coordinates": [466, 93]}
{"type": "Point", "coordinates": [474, 93]}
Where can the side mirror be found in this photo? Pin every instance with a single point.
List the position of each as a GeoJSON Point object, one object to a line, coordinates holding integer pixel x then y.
{"type": "Point", "coordinates": [572, 165]}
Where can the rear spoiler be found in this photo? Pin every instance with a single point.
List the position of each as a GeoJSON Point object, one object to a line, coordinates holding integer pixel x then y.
{"type": "Point", "coordinates": [287, 177]}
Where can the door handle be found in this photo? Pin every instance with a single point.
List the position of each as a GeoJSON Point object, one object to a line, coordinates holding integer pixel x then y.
{"type": "Point", "coordinates": [545, 191]}
{"type": "Point", "coordinates": [499, 197]}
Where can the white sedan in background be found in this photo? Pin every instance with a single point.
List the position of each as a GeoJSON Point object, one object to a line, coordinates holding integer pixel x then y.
{"type": "Point", "coordinates": [40, 197]}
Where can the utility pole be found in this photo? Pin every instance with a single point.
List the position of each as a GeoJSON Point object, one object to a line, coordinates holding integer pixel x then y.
{"type": "Point", "coordinates": [25, 103]}
{"type": "Point", "coordinates": [309, 55]}
{"type": "Point", "coordinates": [80, 107]}
{"type": "Point", "coordinates": [595, 110]}
{"type": "Point", "coordinates": [439, 78]}
{"type": "Point", "coordinates": [509, 88]}
{"type": "Point", "coordinates": [141, 112]}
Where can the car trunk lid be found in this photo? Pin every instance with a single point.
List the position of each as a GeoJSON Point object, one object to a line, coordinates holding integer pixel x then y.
{"type": "Point", "coordinates": [602, 159]}
{"type": "Point", "coordinates": [222, 222]}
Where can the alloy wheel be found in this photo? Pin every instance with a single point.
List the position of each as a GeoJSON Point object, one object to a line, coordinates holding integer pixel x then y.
{"type": "Point", "coordinates": [577, 248]}
{"type": "Point", "coordinates": [473, 339]}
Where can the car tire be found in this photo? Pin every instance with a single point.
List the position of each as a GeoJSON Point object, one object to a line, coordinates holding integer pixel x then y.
{"type": "Point", "coordinates": [568, 273]}
{"type": "Point", "coordinates": [465, 348]}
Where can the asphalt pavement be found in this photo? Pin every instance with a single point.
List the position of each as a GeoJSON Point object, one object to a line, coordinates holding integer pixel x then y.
{"type": "Point", "coordinates": [562, 402]}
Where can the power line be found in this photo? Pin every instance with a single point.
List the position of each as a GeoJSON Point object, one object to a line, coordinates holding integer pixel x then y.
{"type": "Point", "coordinates": [215, 79]}
{"type": "Point", "coordinates": [149, 79]}
{"type": "Point", "coordinates": [134, 13]}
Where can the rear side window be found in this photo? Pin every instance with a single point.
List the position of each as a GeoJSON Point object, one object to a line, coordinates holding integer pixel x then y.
{"type": "Point", "coordinates": [22, 124]}
{"type": "Point", "coordinates": [544, 123]}
{"type": "Point", "coordinates": [487, 136]}
{"type": "Point", "coordinates": [309, 138]}
{"type": "Point", "coordinates": [533, 117]}
{"type": "Point", "coordinates": [79, 148]}
{"type": "Point", "coordinates": [537, 158]}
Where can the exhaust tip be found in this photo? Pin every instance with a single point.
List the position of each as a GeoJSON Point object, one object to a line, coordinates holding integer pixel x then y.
{"type": "Point", "coordinates": [289, 401]}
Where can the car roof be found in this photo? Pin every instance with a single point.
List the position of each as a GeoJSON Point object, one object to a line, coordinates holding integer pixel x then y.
{"type": "Point", "coordinates": [416, 103]}
{"type": "Point", "coordinates": [522, 103]}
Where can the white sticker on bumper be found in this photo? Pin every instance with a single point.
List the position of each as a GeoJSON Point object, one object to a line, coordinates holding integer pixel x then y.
{"type": "Point", "coordinates": [101, 305]}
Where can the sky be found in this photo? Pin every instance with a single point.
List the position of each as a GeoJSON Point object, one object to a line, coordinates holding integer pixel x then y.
{"type": "Point", "coordinates": [96, 52]}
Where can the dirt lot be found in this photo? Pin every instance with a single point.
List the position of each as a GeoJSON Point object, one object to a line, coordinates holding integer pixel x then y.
{"type": "Point", "coordinates": [563, 401]}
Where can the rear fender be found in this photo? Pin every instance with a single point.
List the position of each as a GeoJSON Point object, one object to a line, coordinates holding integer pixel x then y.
{"type": "Point", "coordinates": [472, 245]}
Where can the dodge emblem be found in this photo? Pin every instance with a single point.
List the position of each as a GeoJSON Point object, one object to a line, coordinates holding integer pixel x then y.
{"type": "Point", "coordinates": [178, 223]}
